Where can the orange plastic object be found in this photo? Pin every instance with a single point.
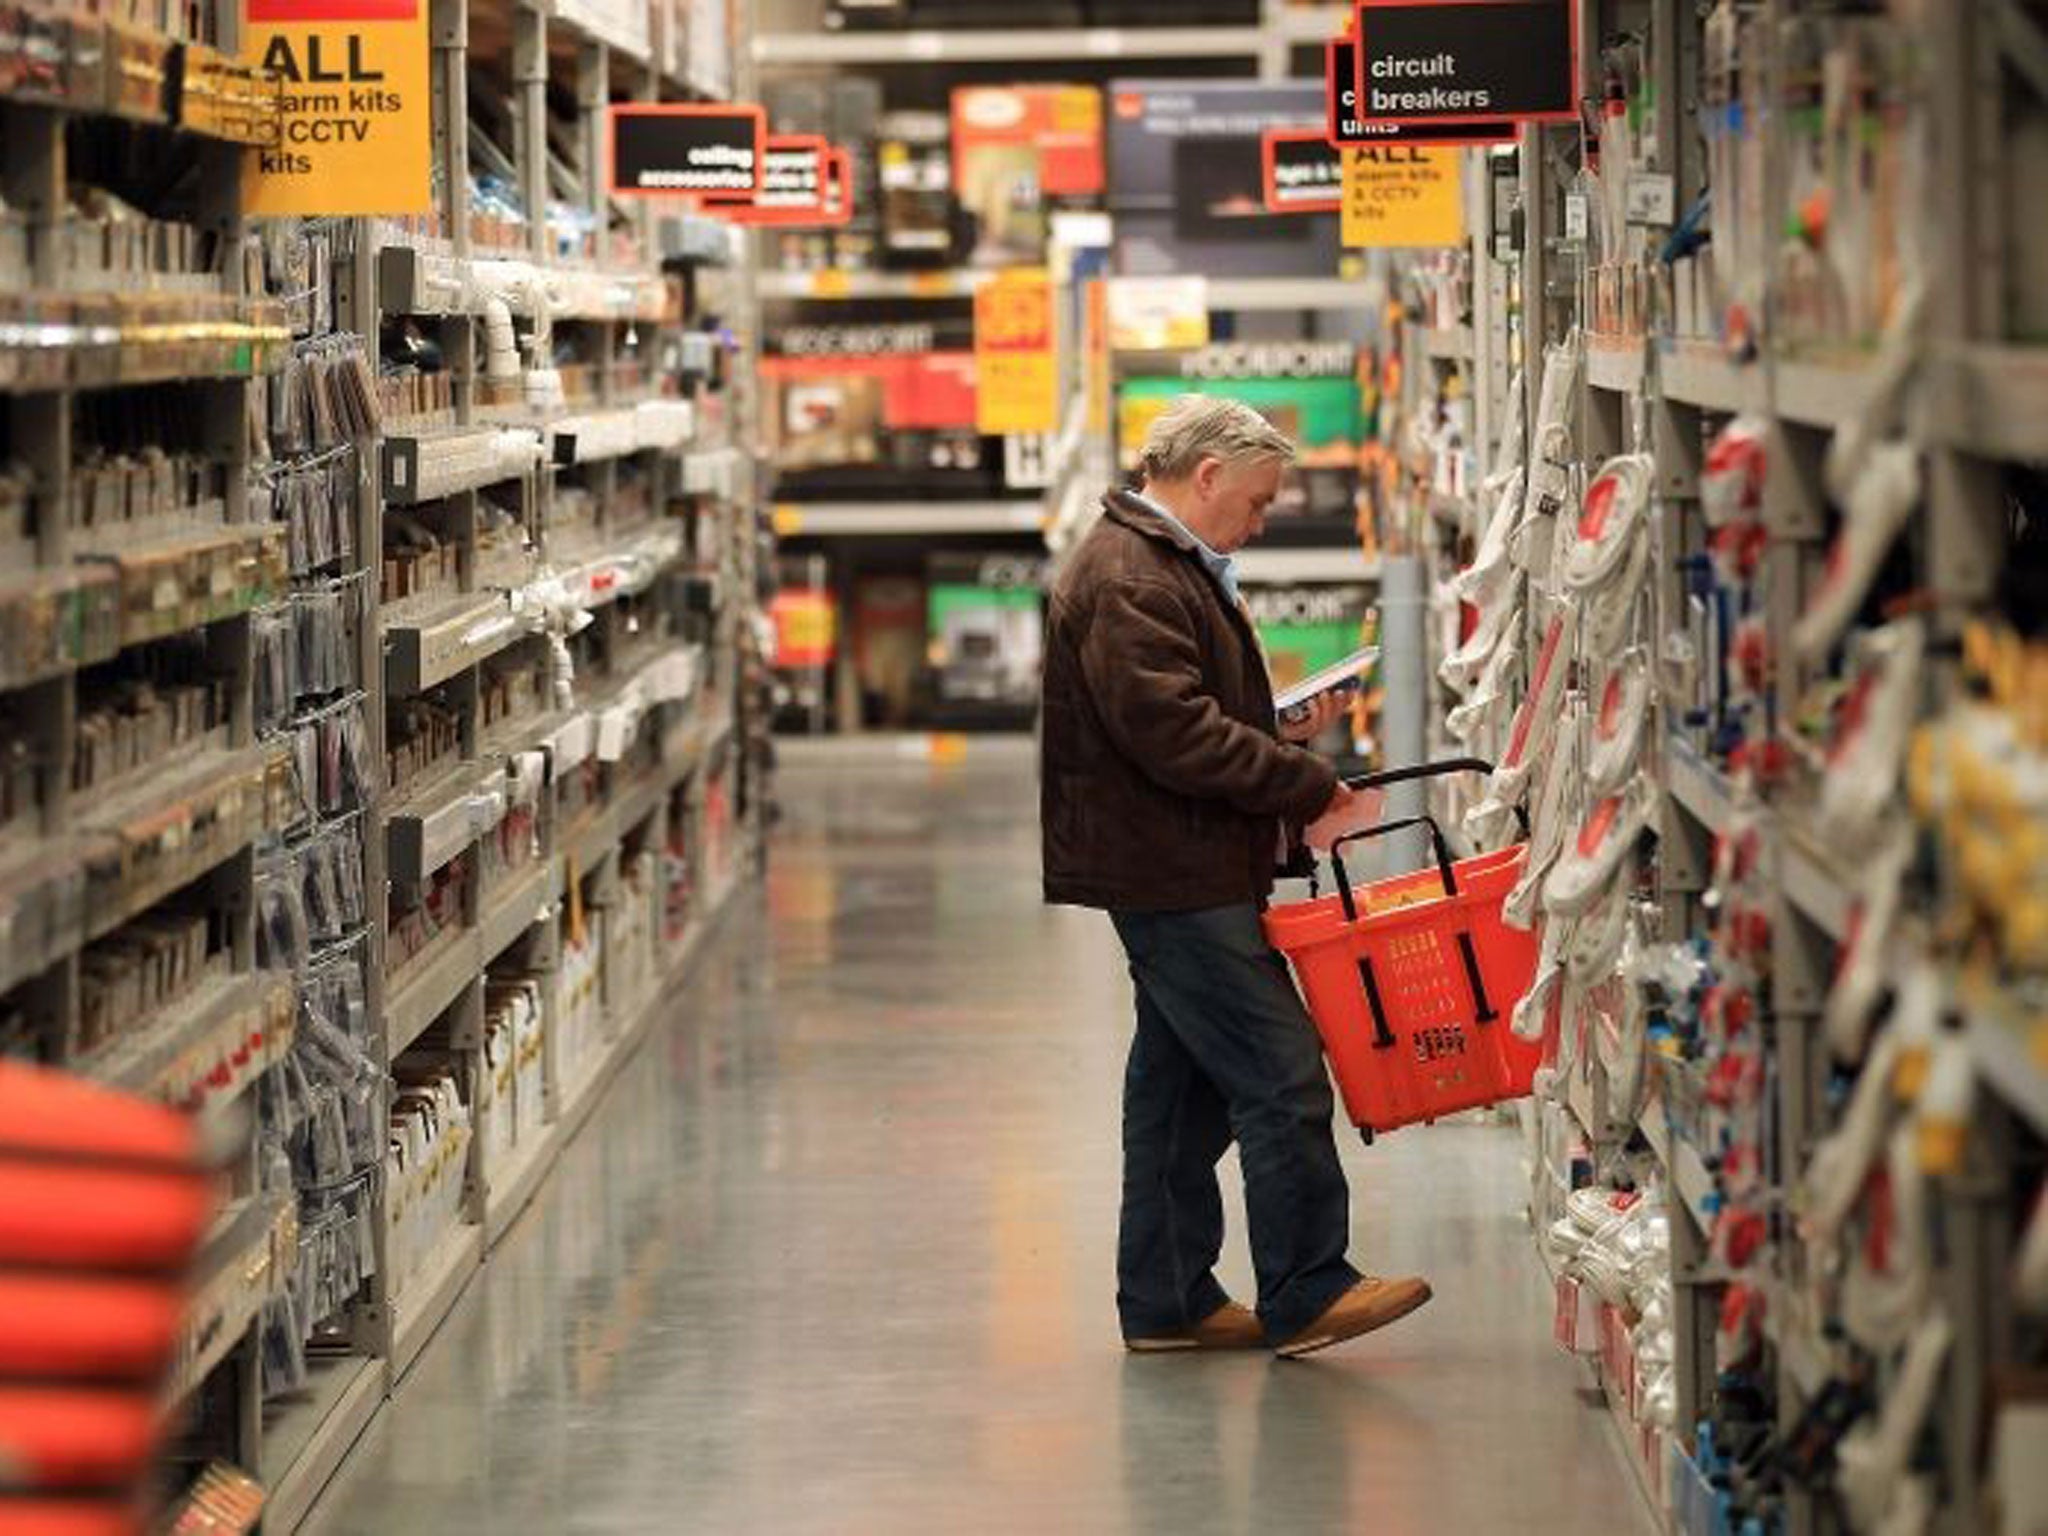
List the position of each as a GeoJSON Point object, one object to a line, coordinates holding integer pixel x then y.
{"type": "Point", "coordinates": [54, 1114]}
{"type": "Point", "coordinates": [78, 1216]}
{"type": "Point", "coordinates": [1412, 997]}
{"type": "Point", "coordinates": [77, 1437]}
{"type": "Point", "coordinates": [68, 1517]}
{"type": "Point", "coordinates": [85, 1327]}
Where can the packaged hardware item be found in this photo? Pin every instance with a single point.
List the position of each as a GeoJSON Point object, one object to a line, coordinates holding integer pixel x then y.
{"type": "Point", "coordinates": [142, 969]}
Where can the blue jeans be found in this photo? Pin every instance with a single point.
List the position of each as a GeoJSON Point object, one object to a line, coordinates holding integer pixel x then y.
{"type": "Point", "coordinates": [1224, 1051]}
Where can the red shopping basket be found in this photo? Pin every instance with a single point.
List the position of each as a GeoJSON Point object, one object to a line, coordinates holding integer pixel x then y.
{"type": "Point", "coordinates": [1411, 980]}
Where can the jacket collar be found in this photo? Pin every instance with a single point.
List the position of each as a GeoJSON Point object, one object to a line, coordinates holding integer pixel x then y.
{"type": "Point", "coordinates": [1129, 509]}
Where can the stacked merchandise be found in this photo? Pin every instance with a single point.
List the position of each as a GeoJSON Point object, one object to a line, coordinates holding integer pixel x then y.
{"type": "Point", "coordinates": [134, 322]}
{"type": "Point", "coordinates": [293, 771]}
{"type": "Point", "coordinates": [1766, 589]}
{"type": "Point", "coordinates": [323, 1128]}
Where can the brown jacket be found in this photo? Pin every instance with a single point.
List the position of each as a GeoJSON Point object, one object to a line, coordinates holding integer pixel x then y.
{"type": "Point", "coordinates": [1163, 786]}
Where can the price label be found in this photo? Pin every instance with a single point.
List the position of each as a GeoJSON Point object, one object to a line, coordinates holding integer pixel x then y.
{"type": "Point", "coordinates": [1576, 220]}
{"type": "Point", "coordinates": [1651, 198]}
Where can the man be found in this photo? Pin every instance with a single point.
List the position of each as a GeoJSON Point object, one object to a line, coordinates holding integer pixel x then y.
{"type": "Point", "coordinates": [1168, 797]}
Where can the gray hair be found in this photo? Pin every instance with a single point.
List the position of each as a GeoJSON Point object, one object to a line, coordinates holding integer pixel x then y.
{"type": "Point", "coordinates": [1198, 427]}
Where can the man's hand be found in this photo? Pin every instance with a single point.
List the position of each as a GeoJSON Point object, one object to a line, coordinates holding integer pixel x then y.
{"type": "Point", "coordinates": [1350, 810]}
{"type": "Point", "coordinates": [1323, 710]}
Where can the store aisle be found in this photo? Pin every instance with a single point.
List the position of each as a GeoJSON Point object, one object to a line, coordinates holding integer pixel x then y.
{"type": "Point", "coordinates": [835, 1256]}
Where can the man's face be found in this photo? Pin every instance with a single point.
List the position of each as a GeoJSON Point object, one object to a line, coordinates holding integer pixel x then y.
{"type": "Point", "coordinates": [1235, 497]}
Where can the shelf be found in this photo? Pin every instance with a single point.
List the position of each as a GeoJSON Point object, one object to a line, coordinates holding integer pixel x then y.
{"type": "Point", "coordinates": [1615, 1395]}
{"type": "Point", "coordinates": [100, 346]}
{"type": "Point", "coordinates": [411, 281]}
{"type": "Point", "coordinates": [1450, 344]}
{"type": "Point", "coordinates": [653, 426]}
{"type": "Point", "coordinates": [209, 1047]}
{"type": "Point", "coordinates": [840, 283]}
{"type": "Point", "coordinates": [1820, 394]}
{"type": "Point", "coordinates": [87, 629]}
{"type": "Point", "coordinates": [584, 1099]}
{"type": "Point", "coordinates": [1306, 565]}
{"type": "Point", "coordinates": [435, 823]}
{"type": "Point", "coordinates": [1699, 373]}
{"type": "Point", "coordinates": [204, 814]}
{"type": "Point", "coordinates": [1282, 293]}
{"type": "Point", "coordinates": [215, 96]}
{"type": "Point", "coordinates": [229, 570]}
{"type": "Point", "coordinates": [1615, 365]}
{"type": "Point", "coordinates": [431, 1292]}
{"type": "Point", "coordinates": [629, 568]}
{"type": "Point", "coordinates": [1698, 787]}
{"type": "Point", "coordinates": [1064, 45]}
{"type": "Point", "coordinates": [1991, 401]}
{"type": "Point", "coordinates": [517, 908]}
{"type": "Point", "coordinates": [304, 1441]}
{"type": "Point", "coordinates": [236, 1275]}
{"type": "Point", "coordinates": [2012, 1059]}
{"type": "Point", "coordinates": [1813, 879]}
{"type": "Point", "coordinates": [425, 994]}
{"type": "Point", "coordinates": [424, 652]}
{"type": "Point", "coordinates": [840, 519]}
{"type": "Point", "coordinates": [426, 467]}
{"type": "Point", "coordinates": [1690, 1180]}
{"type": "Point", "coordinates": [41, 910]}
{"type": "Point", "coordinates": [508, 1191]}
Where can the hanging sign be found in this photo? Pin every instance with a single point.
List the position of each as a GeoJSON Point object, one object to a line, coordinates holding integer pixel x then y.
{"type": "Point", "coordinates": [1401, 196]}
{"type": "Point", "coordinates": [806, 627]}
{"type": "Point", "coordinates": [1302, 171]}
{"type": "Point", "coordinates": [1340, 75]}
{"type": "Point", "coordinates": [668, 150]}
{"type": "Point", "coordinates": [1467, 61]}
{"type": "Point", "coordinates": [1016, 377]}
{"type": "Point", "coordinates": [795, 170]}
{"type": "Point", "coordinates": [357, 134]}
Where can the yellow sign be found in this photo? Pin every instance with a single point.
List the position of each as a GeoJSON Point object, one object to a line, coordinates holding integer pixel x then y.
{"type": "Point", "coordinates": [1402, 195]}
{"type": "Point", "coordinates": [358, 116]}
{"type": "Point", "coordinates": [1016, 384]}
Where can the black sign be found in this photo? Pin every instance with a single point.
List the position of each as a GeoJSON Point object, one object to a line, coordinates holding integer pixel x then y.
{"type": "Point", "coordinates": [1466, 61]}
{"type": "Point", "coordinates": [1304, 171]}
{"type": "Point", "coordinates": [660, 150]}
{"type": "Point", "coordinates": [1346, 131]}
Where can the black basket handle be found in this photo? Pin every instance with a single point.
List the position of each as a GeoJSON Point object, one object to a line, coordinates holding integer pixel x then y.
{"type": "Point", "coordinates": [1435, 770]}
{"type": "Point", "coordinates": [1436, 838]}
{"type": "Point", "coordinates": [1483, 1010]}
{"type": "Point", "coordinates": [1414, 771]}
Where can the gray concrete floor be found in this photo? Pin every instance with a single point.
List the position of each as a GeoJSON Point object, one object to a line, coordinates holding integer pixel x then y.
{"type": "Point", "coordinates": [836, 1255]}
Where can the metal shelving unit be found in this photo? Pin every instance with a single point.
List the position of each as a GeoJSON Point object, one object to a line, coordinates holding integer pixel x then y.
{"type": "Point", "coordinates": [673, 536]}
{"type": "Point", "coordinates": [87, 853]}
{"type": "Point", "coordinates": [1970, 407]}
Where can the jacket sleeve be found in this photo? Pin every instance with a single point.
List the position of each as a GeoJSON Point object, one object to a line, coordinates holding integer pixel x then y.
{"type": "Point", "coordinates": [1143, 667]}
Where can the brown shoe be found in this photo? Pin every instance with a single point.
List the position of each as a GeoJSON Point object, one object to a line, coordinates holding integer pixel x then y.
{"type": "Point", "coordinates": [1367, 1305]}
{"type": "Point", "coordinates": [1230, 1326]}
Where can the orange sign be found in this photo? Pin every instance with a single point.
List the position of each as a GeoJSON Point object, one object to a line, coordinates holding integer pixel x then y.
{"type": "Point", "coordinates": [358, 119]}
{"type": "Point", "coordinates": [806, 627]}
{"type": "Point", "coordinates": [1017, 379]}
